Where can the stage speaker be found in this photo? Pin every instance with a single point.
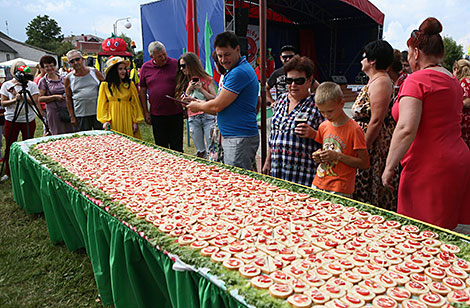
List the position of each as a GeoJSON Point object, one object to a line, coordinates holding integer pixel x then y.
{"type": "Point", "coordinates": [339, 79]}
{"type": "Point", "coordinates": [243, 41]}
{"type": "Point", "coordinates": [241, 21]}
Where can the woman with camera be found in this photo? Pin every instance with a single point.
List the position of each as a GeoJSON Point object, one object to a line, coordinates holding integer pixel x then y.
{"type": "Point", "coordinates": [10, 97]}
{"type": "Point", "coordinates": [193, 81]}
{"type": "Point", "coordinates": [52, 92]}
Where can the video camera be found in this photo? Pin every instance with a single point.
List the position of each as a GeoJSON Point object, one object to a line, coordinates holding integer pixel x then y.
{"type": "Point", "coordinates": [23, 75]}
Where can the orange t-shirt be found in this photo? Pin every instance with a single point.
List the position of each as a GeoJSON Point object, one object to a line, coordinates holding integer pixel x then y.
{"type": "Point", "coordinates": [337, 176]}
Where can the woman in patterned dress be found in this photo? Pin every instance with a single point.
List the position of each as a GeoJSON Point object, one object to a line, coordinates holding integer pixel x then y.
{"type": "Point", "coordinates": [290, 145]}
{"type": "Point", "coordinates": [372, 111]}
{"type": "Point", "coordinates": [462, 73]}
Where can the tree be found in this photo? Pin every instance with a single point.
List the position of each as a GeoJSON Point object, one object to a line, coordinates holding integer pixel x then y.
{"type": "Point", "coordinates": [44, 32]}
{"type": "Point", "coordinates": [64, 47]}
{"type": "Point", "coordinates": [453, 52]}
{"type": "Point", "coordinates": [128, 40]}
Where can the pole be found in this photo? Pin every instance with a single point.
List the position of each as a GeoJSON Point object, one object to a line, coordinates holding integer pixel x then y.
{"type": "Point", "coordinates": [262, 33]}
{"type": "Point", "coordinates": [196, 48]}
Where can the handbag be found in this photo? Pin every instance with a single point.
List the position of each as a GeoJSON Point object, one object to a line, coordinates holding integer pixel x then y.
{"type": "Point", "coordinates": [62, 111]}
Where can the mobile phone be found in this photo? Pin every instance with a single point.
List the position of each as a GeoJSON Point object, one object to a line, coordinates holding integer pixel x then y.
{"type": "Point", "coordinates": [177, 100]}
{"type": "Point", "coordinates": [195, 79]}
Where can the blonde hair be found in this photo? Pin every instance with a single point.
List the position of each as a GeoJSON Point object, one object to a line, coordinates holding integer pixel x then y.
{"type": "Point", "coordinates": [14, 67]}
{"type": "Point", "coordinates": [462, 68]}
{"type": "Point", "coordinates": [328, 91]}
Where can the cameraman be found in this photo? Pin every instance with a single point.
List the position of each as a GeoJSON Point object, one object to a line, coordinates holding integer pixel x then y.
{"type": "Point", "coordinates": [10, 97]}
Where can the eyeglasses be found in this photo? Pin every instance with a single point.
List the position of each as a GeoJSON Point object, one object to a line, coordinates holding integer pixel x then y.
{"type": "Point", "coordinates": [182, 65]}
{"type": "Point", "coordinates": [287, 57]}
{"type": "Point", "coordinates": [298, 81]}
{"type": "Point", "coordinates": [72, 61]}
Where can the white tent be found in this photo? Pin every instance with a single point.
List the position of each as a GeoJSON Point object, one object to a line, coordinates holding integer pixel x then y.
{"type": "Point", "coordinates": [29, 63]}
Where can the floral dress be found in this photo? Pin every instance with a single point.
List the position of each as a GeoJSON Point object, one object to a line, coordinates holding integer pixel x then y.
{"type": "Point", "coordinates": [369, 186]}
{"type": "Point", "coordinates": [465, 84]}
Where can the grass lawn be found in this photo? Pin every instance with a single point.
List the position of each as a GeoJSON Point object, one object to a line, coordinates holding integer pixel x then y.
{"type": "Point", "coordinates": [33, 271]}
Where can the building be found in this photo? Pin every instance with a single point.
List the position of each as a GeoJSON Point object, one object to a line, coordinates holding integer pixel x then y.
{"type": "Point", "coordinates": [87, 44]}
{"type": "Point", "coordinates": [11, 49]}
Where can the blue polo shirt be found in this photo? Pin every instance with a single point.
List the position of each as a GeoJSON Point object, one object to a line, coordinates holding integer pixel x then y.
{"type": "Point", "coordinates": [239, 118]}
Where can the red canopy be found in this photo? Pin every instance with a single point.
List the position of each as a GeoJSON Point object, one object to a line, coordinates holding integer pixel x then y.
{"type": "Point", "coordinates": [368, 8]}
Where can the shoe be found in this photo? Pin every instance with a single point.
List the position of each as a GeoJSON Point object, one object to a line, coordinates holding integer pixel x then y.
{"type": "Point", "coordinates": [4, 178]}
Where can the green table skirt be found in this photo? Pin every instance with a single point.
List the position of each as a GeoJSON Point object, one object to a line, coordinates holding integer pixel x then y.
{"type": "Point", "coordinates": [129, 272]}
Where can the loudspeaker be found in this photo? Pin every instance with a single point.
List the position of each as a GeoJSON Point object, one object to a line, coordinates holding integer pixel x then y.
{"type": "Point", "coordinates": [241, 21]}
{"type": "Point", "coordinates": [339, 79]}
{"type": "Point", "coordinates": [243, 41]}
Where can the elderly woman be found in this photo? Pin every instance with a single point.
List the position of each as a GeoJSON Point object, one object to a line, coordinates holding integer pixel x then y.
{"type": "Point", "coordinates": [292, 130]}
{"type": "Point", "coordinates": [52, 92]}
{"type": "Point", "coordinates": [462, 73]}
{"type": "Point", "coordinates": [372, 111]}
{"type": "Point", "coordinates": [25, 122]}
{"type": "Point", "coordinates": [435, 159]}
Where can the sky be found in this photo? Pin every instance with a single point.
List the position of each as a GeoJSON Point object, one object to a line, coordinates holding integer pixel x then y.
{"type": "Point", "coordinates": [97, 17]}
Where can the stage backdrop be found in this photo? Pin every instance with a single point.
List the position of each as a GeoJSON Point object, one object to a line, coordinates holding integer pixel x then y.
{"type": "Point", "coordinates": [165, 21]}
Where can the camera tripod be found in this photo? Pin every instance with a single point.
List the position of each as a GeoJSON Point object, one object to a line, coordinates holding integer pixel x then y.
{"type": "Point", "coordinates": [25, 94]}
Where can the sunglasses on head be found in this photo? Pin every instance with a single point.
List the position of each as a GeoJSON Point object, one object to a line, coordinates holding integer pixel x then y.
{"type": "Point", "coordinates": [298, 81]}
{"type": "Point", "coordinates": [182, 65]}
{"type": "Point", "coordinates": [414, 34]}
{"type": "Point", "coordinates": [72, 61]}
{"type": "Point", "coordinates": [287, 57]}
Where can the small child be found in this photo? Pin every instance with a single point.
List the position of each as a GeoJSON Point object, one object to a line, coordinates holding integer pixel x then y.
{"type": "Point", "coordinates": [344, 145]}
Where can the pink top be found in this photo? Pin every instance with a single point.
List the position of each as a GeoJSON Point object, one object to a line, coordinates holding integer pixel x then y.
{"type": "Point", "coordinates": [436, 168]}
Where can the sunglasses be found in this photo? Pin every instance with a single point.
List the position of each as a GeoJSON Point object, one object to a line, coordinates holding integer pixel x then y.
{"type": "Point", "coordinates": [72, 61]}
{"type": "Point", "coordinates": [364, 55]}
{"type": "Point", "coordinates": [182, 66]}
{"type": "Point", "coordinates": [298, 81]}
{"type": "Point", "coordinates": [414, 34]}
{"type": "Point", "coordinates": [287, 57]}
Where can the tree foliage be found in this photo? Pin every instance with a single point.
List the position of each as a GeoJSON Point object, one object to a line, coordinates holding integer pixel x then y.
{"type": "Point", "coordinates": [453, 52]}
{"type": "Point", "coordinates": [44, 32]}
{"type": "Point", "coordinates": [128, 41]}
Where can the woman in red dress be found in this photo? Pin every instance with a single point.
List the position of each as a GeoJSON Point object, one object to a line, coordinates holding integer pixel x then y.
{"type": "Point", "coordinates": [427, 140]}
{"type": "Point", "coordinates": [462, 73]}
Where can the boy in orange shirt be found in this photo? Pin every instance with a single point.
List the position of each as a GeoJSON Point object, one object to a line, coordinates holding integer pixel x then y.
{"type": "Point", "coordinates": [344, 145]}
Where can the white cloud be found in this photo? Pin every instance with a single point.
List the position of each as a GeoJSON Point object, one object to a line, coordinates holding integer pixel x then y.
{"type": "Point", "coordinates": [47, 7]}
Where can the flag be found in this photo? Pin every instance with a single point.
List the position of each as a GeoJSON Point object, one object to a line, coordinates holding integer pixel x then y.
{"type": "Point", "coordinates": [189, 26]}
{"type": "Point", "coordinates": [207, 45]}
{"type": "Point", "coordinates": [190, 19]}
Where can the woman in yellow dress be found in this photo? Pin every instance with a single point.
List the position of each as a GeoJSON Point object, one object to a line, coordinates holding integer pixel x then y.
{"type": "Point", "coordinates": [118, 101]}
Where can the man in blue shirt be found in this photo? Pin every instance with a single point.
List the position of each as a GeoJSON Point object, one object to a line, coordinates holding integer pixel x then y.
{"type": "Point", "coordinates": [235, 105]}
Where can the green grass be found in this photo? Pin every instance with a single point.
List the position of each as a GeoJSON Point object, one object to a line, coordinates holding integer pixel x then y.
{"type": "Point", "coordinates": [33, 271]}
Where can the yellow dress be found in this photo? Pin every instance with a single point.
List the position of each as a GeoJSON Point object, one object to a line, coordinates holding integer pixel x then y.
{"type": "Point", "coordinates": [121, 109]}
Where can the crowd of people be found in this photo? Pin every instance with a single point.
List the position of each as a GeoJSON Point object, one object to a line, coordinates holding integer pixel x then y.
{"type": "Point", "coordinates": [405, 148]}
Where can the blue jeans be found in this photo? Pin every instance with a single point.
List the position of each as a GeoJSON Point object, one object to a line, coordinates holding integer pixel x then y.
{"type": "Point", "coordinates": [240, 151]}
{"type": "Point", "coordinates": [200, 128]}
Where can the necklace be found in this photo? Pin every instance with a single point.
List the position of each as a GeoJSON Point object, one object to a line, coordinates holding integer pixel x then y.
{"type": "Point", "coordinates": [432, 65]}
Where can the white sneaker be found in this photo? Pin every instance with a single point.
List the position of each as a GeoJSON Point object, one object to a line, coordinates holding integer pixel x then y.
{"type": "Point", "coordinates": [4, 178]}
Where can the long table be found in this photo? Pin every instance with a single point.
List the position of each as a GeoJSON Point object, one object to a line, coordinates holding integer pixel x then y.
{"type": "Point", "coordinates": [128, 270]}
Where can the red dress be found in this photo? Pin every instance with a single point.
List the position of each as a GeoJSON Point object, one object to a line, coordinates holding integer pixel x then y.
{"type": "Point", "coordinates": [436, 169]}
{"type": "Point", "coordinates": [465, 83]}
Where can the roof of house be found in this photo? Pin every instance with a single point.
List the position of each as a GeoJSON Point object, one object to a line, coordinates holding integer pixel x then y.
{"type": "Point", "coordinates": [6, 48]}
{"type": "Point", "coordinates": [6, 37]}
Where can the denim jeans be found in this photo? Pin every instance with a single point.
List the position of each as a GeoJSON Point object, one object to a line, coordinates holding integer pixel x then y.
{"type": "Point", "coordinates": [240, 151]}
{"type": "Point", "coordinates": [200, 128]}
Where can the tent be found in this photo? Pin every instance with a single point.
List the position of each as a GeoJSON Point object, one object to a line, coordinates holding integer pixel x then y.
{"type": "Point", "coordinates": [29, 63]}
